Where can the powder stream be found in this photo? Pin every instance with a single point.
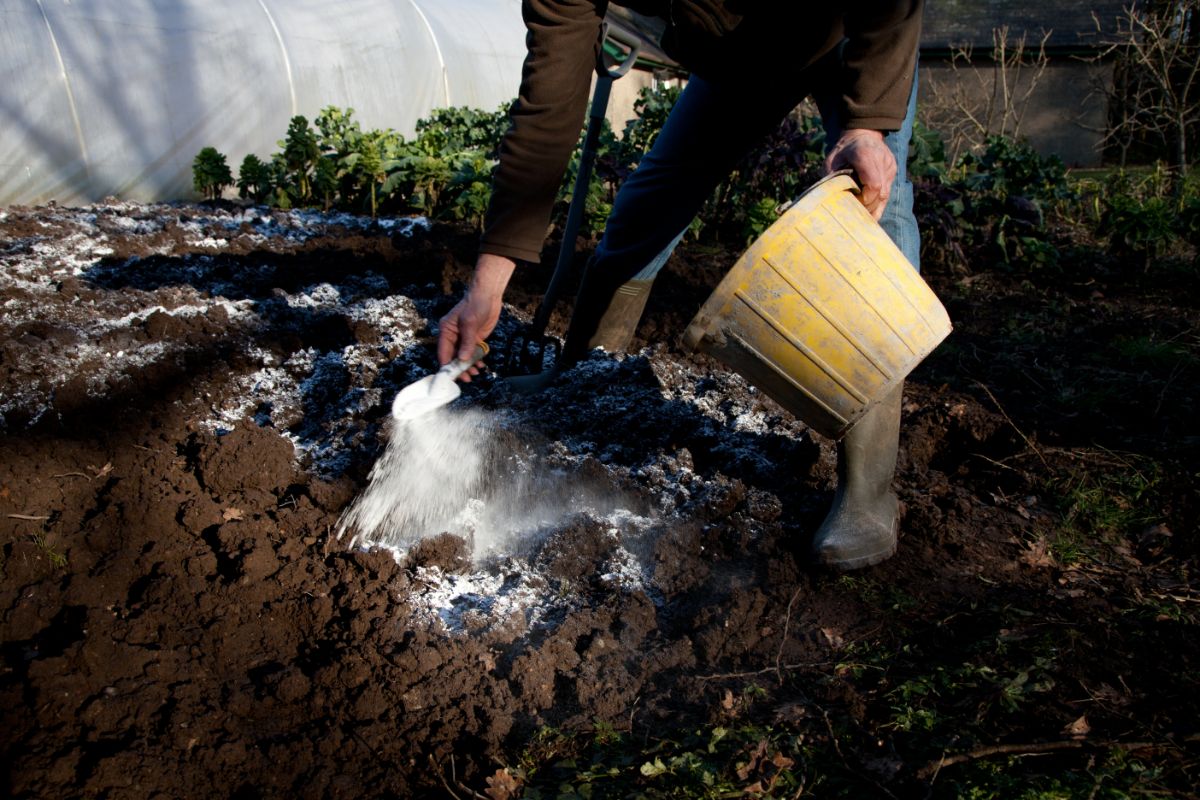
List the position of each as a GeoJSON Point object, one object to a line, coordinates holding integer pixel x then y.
{"type": "Point", "coordinates": [431, 469]}
{"type": "Point", "coordinates": [458, 471]}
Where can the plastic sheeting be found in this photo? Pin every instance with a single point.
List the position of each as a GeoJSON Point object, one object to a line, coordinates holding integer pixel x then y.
{"type": "Point", "coordinates": [116, 97]}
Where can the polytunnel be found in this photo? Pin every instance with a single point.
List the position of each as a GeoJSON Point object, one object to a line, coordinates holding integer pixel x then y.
{"type": "Point", "coordinates": [116, 97]}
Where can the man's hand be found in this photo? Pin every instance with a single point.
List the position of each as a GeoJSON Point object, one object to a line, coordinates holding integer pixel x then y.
{"type": "Point", "coordinates": [476, 315]}
{"type": "Point", "coordinates": [865, 152]}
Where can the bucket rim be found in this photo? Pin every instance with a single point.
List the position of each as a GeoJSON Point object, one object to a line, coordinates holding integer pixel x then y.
{"type": "Point", "coordinates": [841, 180]}
{"type": "Point", "coordinates": [702, 324]}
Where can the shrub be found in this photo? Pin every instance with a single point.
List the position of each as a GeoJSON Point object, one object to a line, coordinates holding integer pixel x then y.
{"type": "Point", "coordinates": [1008, 168]}
{"type": "Point", "coordinates": [210, 173]}
{"type": "Point", "coordinates": [927, 155]}
{"type": "Point", "coordinates": [1189, 221]}
{"type": "Point", "coordinates": [786, 163]}
{"type": "Point", "coordinates": [366, 164]}
{"type": "Point", "coordinates": [471, 187]}
{"type": "Point", "coordinates": [991, 206]}
{"type": "Point", "coordinates": [651, 110]}
{"type": "Point", "coordinates": [254, 179]}
{"type": "Point", "coordinates": [453, 130]}
{"type": "Point", "coordinates": [1145, 216]}
{"type": "Point", "coordinates": [1140, 227]}
{"type": "Point", "coordinates": [300, 154]}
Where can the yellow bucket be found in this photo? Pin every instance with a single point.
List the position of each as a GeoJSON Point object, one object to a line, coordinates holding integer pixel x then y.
{"type": "Point", "coordinates": [823, 312]}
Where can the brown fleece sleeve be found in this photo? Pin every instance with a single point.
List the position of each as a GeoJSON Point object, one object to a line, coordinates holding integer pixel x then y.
{"type": "Point", "coordinates": [562, 42]}
{"type": "Point", "coordinates": [880, 61]}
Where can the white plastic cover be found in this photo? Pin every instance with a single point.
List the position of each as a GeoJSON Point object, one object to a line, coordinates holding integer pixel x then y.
{"type": "Point", "coordinates": [116, 97]}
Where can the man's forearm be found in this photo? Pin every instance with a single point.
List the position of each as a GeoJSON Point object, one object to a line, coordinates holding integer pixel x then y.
{"type": "Point", "coordinates": [545, 124]}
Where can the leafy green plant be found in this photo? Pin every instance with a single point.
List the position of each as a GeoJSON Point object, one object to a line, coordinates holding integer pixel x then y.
{"type": "Point", "coordinates": [325, 180]}
{"type": "Point", "coordinates": [338, 130]}
{"type": "Point", "coordinates": [300, 154]}
{"type": "Point", "coordinates": [927, 155]}
{"type": "Point", "coordinates": [1009, 167]}
{"type": "Point", "coordinates": [210, 173]}
{"type": "Point", "coordinates": [425, 177]}
{"type": "Point", "coordinates": [1146, 214]}
{"type": "Point", "coordinates": [453, 130]}
{"type": "Point", "coordinates": [651, 109]}
{"type": "Point", "coordinates": [1113, 503]}
{"type": "Point", "coordinates": [340, 136]}
{"type": "Point", "coordinates": [471, 186]}
{"type": "Point", "coordinates": [991, 206]}
{"type": "Point", "coordinates": [254, 179]}
{"type": "Point", "coordinates": [1012, 186]}
{"type": "Point", "coordinates": [366, 164]}
{"type": "Point", "coordinates": [1188, 221]}
{"type": "Point", "coordinates": [786, 163]}
{"type": "Point", "coordinates": [710, 762]}
{"type": "Point", "coordinates": [283, 193]}
{"type": "Point", "coordinates": [1140, 227]}
{"type": "Point", "coordinates": [908, 711]}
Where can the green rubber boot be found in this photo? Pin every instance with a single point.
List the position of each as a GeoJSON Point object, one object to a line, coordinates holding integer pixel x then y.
{"type": "Point", "coordinates": [860, 529]}
{"type": "Point", "coordinates": [605, 315]}
{"type": "Point", "coordinates": [615, 330]}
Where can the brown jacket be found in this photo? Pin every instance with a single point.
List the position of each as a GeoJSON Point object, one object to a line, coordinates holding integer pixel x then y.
{"type": "Point", "coordinates": [717, 39]}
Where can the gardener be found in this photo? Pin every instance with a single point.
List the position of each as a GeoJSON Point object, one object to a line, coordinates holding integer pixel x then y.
{"type": "Point", "coordinates": [751, 63]}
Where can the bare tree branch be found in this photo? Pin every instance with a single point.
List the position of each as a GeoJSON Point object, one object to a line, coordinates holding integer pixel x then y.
{"type": "Point", "coordinates": [1158, 61]}
{"type": "Point", "coordinates": [989, 99]}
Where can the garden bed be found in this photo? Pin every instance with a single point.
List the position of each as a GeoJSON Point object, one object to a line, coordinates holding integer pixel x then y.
{"type": "Point", "coordinates": [192, 396]}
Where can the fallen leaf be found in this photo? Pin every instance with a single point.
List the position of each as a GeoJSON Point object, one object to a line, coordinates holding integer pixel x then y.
{"type": "Point", "coordinates": [1037, 554]}
{"type": "Point", "coordinates": [502, 785]}
{"type": "Point", "coordinates": [100, 473]}
{"type": "Point", "coordinates": [834, 638]}
{"type": "Point", "coordinates": [1079, 728]}
{"type": "Point", "coordinates": [233, 515]}
{"type": "Point", "coordinates": [727, 700]}
{"type": "Point", "coordinates": [757, 758]}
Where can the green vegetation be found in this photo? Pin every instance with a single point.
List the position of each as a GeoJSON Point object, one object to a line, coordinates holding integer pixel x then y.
{"type": "Point", "coordinates": [1002, 203]}
{"type": "Point", "coordinates": [717, 761]}
{"type": "Point", "coordinates": [210, 173]}
{"type": "Point", "coordinates": [445, 170]}
{"type": "Point", "coordinates": [57, 558]}
{"type": "Point", "coordinates": [332, 163]}
{"type": "Point", "coordinates": [740, 758]}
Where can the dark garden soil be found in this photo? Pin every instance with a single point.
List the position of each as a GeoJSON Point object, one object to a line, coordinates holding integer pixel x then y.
{"type": "Point", "coordinates": [191, 397]}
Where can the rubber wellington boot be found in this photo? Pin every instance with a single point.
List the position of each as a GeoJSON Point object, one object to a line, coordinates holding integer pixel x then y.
{"type": "Point", "coordinates": [606, 315]}
{"type": "Point", "coordinates": [860, 529]}
{"type": "Point", "coordinates": [615, 329]}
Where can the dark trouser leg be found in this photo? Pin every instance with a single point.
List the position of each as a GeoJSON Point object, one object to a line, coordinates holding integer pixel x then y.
{"type": "Point", "coordinates": [709, 130]}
